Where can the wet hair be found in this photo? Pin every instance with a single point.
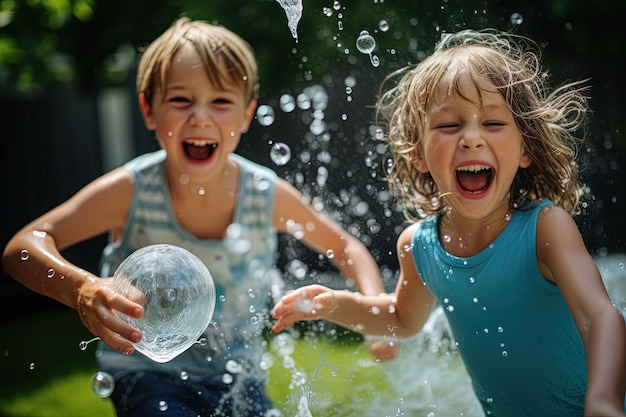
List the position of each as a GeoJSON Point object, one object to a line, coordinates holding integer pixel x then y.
{"type": "Point", "coordinates": [548, 118]}
{"type": "Point", "coordinates": [226, 57]}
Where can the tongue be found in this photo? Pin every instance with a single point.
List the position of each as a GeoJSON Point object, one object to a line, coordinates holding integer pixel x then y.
{"type": "Point", "coordinates": [197, 152]}
{"type": "Point", "coordinates": [473, 181]}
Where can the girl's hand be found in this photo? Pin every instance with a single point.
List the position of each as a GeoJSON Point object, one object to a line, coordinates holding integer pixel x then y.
{"type": "Point", "coordinates": [307, 303]}
{"type": "Point", "coordinates": [96, 304]}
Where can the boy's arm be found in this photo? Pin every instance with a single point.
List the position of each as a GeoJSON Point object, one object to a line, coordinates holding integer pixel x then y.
{"type": "Point", "coordinates": [33, 257]}
{"type": "Point", "coordinates": [565, 261]}
{"type": "Point", "coordinates": [324, 236]}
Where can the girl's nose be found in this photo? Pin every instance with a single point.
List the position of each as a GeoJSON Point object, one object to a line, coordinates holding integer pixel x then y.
{"type": "Point", "coordinates": [471, 140]}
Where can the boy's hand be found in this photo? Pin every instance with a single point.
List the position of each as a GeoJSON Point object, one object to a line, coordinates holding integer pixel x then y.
{"type": "Point", "coordinates": [96, 303]}
{"type": "Point", "coordinates": [307, 303]}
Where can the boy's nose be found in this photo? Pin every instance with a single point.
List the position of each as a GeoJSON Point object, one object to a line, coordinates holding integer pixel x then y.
{"type": "Point", "coordinates": [201, 116]}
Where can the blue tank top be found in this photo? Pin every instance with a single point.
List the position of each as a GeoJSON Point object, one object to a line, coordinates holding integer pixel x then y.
{"type": "Point", "coordinates": [516, 336]}
{"type": "Point", "coordinates": [243, 278]}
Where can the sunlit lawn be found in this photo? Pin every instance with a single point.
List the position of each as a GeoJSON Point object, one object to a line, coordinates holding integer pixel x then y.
{"type": "Point", "coordinates": [44, 373]}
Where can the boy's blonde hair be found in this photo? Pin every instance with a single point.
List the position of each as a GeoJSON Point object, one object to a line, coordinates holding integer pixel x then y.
{"type": "Point", "coordinates": [547, 119]}
{"type": "Point", "coordinates": [227, 58]}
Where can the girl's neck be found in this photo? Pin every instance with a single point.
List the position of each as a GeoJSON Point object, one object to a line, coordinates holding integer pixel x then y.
{"type": "Point", "coordinates": [465, 237]}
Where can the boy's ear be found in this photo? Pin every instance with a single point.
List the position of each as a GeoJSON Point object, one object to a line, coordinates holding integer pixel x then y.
{"type": "Point", "coordinates": [248, 115]}
{"type": "Point", "coordinates": [418, 161]}
{"type": "Point", "coordinates": [146, 111]}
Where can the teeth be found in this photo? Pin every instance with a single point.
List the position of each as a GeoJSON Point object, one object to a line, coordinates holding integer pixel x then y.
{"type": "Point", "coordinates": [201, 143]}
{"type": "Point", "coordinates": [473, 168]}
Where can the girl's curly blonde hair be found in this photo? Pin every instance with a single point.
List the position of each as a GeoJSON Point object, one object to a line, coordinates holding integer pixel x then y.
{"type": "Point", "coordinates": [548, 119]}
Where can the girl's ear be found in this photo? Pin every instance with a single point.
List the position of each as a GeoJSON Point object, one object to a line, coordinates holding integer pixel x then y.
{"type": "Point", "coordinates": [248, 115]}
{"type": "Point", "coordinates": [418, 161]}
{"type": "Point", "coordinates": [146, 112]}
{"type": "Point", "coordinates": [525, 159]}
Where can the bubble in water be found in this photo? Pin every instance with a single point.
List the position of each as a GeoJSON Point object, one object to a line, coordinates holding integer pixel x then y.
{"type": "Point", "coordinates": [177, 293]}
{"type": "Point", "coordinates": [102, 384]}
{"type": "Point", "coordinates": [365, 43]}
{"type": "Point", "coordinates": [280, 153]}
{"type": "Point", "coordinates": [265, 115]}
{"type": "Point", "coordinates": [516, 19]}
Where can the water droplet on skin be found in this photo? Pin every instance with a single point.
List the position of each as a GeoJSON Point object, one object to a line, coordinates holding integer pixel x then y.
{"type": "Point", "coordinates": [24, 255]}
{"type": "Point", "coordinates": [183, 179]}
{"type": "Point", "coordinates": [51, 273]}
{"type": "Point", "coordinates": [280, 153]}
{"type": "Point", "coordinates": [447, 239]}
{"type": "Point", "coordinates": [330, 254]}
{"type": "Point", "coordinates": [170, 133]}
{"type": "Point", "coordinates": [201, 191]}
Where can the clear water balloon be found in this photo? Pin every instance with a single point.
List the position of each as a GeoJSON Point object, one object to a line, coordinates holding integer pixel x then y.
{"type": "Point", "coordinates": [177, 293]}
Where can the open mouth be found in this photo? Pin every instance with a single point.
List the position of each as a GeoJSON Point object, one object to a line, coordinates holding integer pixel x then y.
{"type": "Point", "coordinates": [199, 150]}
{"type": "Point", "coordinates": [475, 178]}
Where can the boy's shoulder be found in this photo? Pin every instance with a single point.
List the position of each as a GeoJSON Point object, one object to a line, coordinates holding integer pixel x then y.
{"type": "Point", "coordinates": [254, 168]}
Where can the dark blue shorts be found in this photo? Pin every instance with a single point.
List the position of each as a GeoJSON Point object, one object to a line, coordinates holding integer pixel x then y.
{"type": "Point", "coordinates": [156, 394]}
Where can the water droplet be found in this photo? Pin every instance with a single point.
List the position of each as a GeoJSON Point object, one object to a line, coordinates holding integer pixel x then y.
{"type": "Point", "coordinates": [233, 367]}
{"type": "Point", "coordinates": [383, 25]}
{"type": "Point", "coordinates": [51, 273]}
{"type": "Point", "coordinates": [330, 254]}
{"type": "Point", "coordinates": [31, 366]}
{"type": "Point", "coordinates": [201, 191]}
{"type": "Point", "coordinates": [365, 43]}
{"type": "Point", "coordinates": [227, 378]}
{"type": "Point", "coordinates": [287, 103]}
{"type": "Point", "coordinates": [83, 345]}
{"type": "Point", "coordinates": [162, 405]}
{"type": "Point", "coordinates": [184, 375]}
{"type": "Point", "coordinates": [265, 115]}
{"type": "Point", "coordinates": [183, 179]}
{"type": "Point", "coordinates": [280, 153]}
{"type": "Point", "coordinates": [516, 19]}
{"type": "Point", "coordinates": [102, 384]}
{"type": "Point", "coordinates": [170, 133]}
{"type": "Point", "coordinates": [24, 255]}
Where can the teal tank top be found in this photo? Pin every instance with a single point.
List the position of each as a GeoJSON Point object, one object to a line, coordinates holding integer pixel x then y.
{"type": "Point", "coordinates": [512, 327]}
{"type": "Point", "coordinates": [243, 278]}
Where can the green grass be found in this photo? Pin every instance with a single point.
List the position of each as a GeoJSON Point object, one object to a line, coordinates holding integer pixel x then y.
{"type": "Point", "coordinates": [44, 373]}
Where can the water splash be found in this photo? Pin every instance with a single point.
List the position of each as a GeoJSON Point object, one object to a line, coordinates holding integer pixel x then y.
{"type": "Point", "coordinates": [293, 10]}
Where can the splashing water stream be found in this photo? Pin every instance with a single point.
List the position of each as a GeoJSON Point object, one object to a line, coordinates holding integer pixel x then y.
{"type": "Point", "coordinates": [293, 10]}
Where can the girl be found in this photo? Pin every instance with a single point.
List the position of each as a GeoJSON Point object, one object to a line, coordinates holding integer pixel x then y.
{"type": "Point", "coordinates": [483, 158]}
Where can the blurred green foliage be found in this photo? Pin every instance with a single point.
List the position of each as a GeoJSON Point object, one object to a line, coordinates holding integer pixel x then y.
{"type": "Point", "coordinates": [95, 41]}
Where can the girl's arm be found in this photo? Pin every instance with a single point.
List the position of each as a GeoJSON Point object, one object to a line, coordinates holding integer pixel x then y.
{"type": "Point", "coordinates": [399, 315]}
{"type": "Point", "coordinates": [565, 260]}
{"type": "Point", "coordinates": [33, 257]}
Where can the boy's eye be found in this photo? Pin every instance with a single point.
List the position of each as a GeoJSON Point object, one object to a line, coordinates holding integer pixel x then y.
{"type": "Point", "coordinates": [178, 99]}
